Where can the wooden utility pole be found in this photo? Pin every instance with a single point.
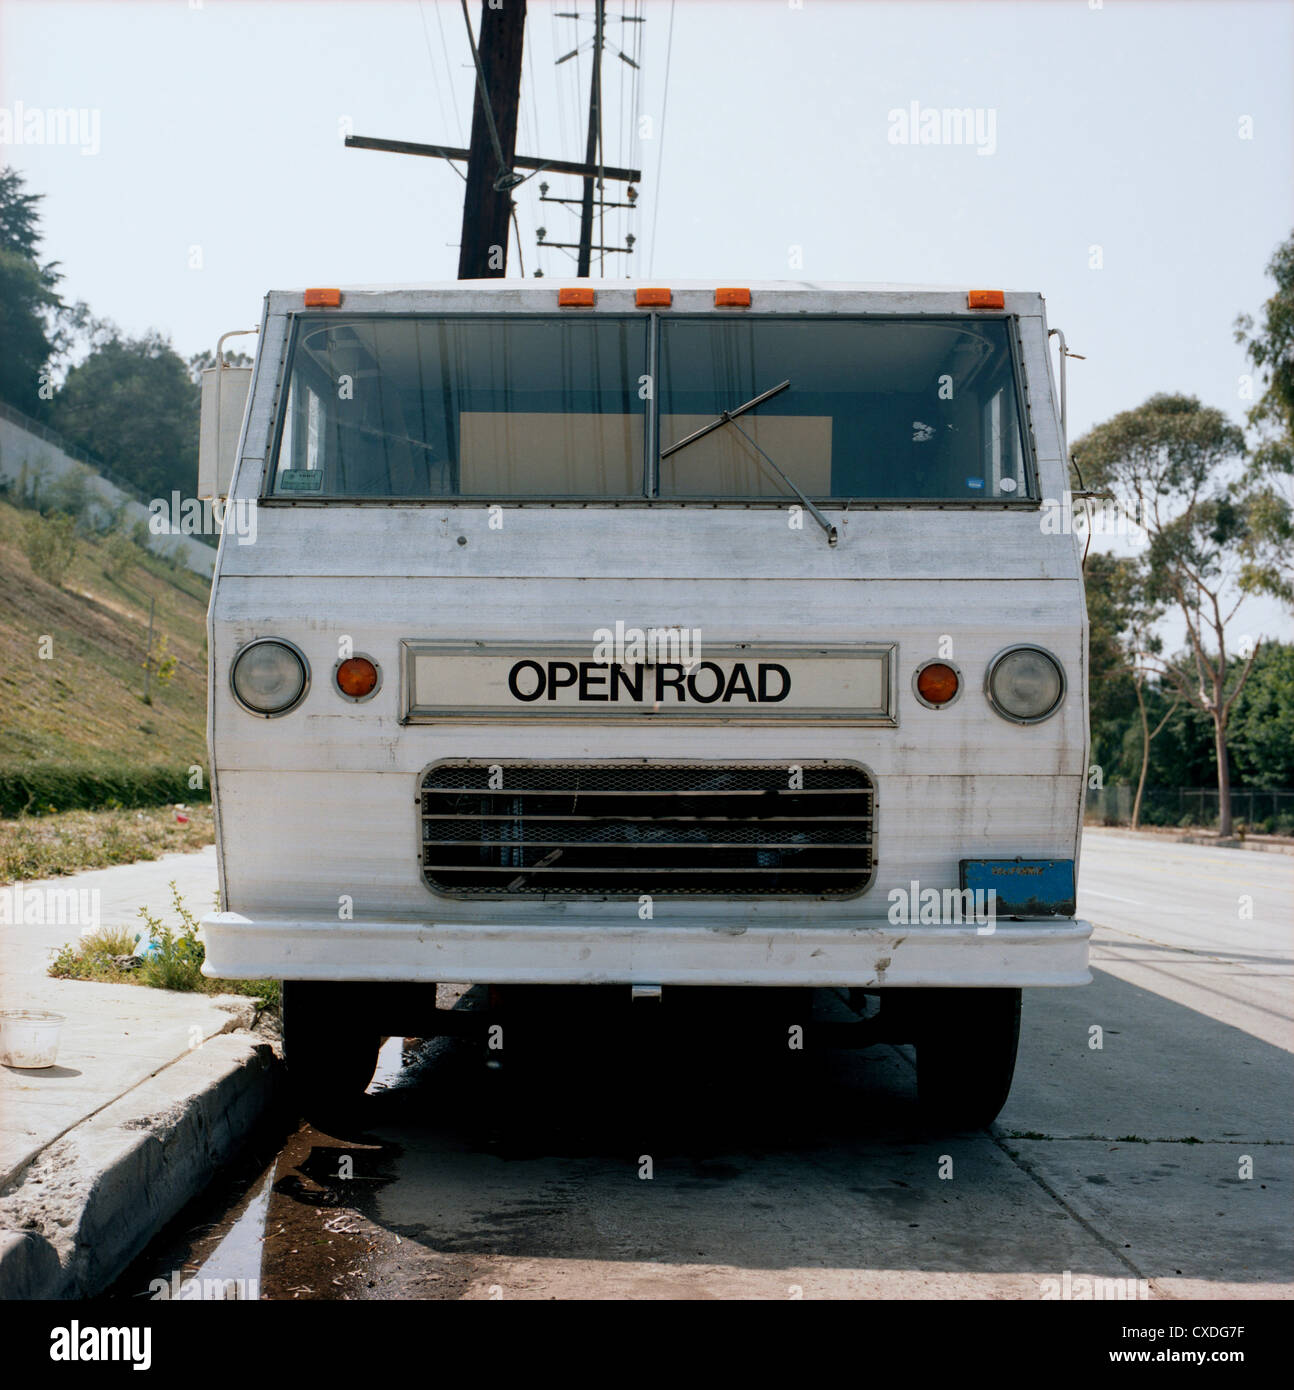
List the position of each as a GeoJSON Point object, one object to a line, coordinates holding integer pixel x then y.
{"type": "Point", "coordinates": [591, 149]}
{"type": "Point", "coordinates": [492, 160]}
{"type": "Point", "coordinates": [487, 202]}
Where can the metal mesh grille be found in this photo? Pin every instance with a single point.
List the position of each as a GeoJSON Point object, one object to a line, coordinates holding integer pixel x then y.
{"type": "Point", "coordinates": [627, 829]}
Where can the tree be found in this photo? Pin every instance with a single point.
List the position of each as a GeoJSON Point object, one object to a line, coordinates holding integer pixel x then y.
{"type": "Point", "coordinates": [1121, 640]}
{"type": "Point", "coordinates": [19, 216]}
{"type": "Point", "coordinates": [1269, 546]}
{"type": "Point", "coordinates": [132, 404]}
{"type": "Point", "coordinates": [1262, 726]}
{"type": "Point", "coordinates": [1148, 735]}
{"type": "Point", "coordinates": [26, 297]}
{"type": "Point", "coordinates": [50, 543]}
{"type": "Point", "coordinates": [1172, 461]}
{"type": "Point", "coordinates": [207, 358]}
{"type": "Point", "coordinates": [29, 303]}
{"type": "Point", "coordinates": [1271, 351]}
{"type": "Point", "coordinates": [1109, 581]}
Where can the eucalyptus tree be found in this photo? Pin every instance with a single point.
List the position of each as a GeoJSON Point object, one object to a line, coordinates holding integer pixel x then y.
{"type": "Point", "coordinates": [1177, 466]}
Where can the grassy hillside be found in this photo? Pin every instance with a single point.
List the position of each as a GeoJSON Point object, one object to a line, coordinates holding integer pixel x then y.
{"type": "Point", "coordinates": [74, 728]}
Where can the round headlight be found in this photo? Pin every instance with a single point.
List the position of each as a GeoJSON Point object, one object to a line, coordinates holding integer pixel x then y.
{"type": "Point", "coordinates": [269, 677]}
{"type": "Point", "coordinates": [1025, 684]}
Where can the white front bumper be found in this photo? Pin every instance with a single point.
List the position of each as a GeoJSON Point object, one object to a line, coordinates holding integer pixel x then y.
{"type": "Point", "coordinates": [1015, 953]}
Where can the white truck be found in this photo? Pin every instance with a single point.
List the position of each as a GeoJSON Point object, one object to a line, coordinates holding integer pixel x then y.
{"type": "Point", "coordinates": [653, 637]}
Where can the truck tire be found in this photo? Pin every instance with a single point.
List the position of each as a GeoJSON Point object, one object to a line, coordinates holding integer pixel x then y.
{"type": "Point", "coordinates": [330, 1048]}
{"type": "Point", "coordinates": [966, 1041]}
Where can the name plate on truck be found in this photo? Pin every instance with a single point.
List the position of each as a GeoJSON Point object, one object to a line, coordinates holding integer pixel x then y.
{"type": "Point", "coordinates": [754, 683]}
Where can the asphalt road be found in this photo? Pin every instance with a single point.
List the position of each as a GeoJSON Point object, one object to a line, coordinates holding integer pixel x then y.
{"type": "Point", "coordinates": [1160, 1158]}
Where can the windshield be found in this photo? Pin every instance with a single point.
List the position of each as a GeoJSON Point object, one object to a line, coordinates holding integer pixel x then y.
{"type": "Point", "coordinates": [496, 408]}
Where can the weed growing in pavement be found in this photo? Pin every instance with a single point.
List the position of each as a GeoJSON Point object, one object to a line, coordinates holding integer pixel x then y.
{"type": "Point", "coordinates": [174, 960]}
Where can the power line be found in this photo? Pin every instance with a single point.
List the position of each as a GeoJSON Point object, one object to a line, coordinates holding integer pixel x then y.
{"type": "Point", "coordinates": [533, 142]}
{"type": "Point", "coordinates": [444, 49]}
{"type": "Point", "coordinates": [620, 148]}
{"type": "Point", "coordinates": [560, 87]}
{"type": "Point", "coordinates": [516, 227]}
{"type": "Point", "coordinates": [504, 177]}
{"type": "Point", "coordinates": [660, 149]}
{"type": "Point", "coordinates": [431, 58]}
{"type": "Point", "coordinates": [602, 156]}
{"type": "Point", "coordinates": [635, 104]}
{"type": "Point", "coordinates": [534, 105]}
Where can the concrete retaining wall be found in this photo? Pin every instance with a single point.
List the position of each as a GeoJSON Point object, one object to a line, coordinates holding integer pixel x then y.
{"type": "Point", "coordinates": [26, 454]}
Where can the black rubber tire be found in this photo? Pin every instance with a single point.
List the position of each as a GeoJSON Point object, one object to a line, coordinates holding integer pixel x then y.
{"type": "Point", "coordinates": [330, 1048]}
{"type": "Point", "coordinates": [966, 1042]}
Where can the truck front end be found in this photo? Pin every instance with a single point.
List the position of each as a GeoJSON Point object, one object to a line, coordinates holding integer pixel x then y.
{"type": "Point", "coordinates": [657, 638]}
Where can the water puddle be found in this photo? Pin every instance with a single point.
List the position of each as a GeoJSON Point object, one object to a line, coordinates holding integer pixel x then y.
{"type": "Point", "coordinates": [233, 1269]}
{"type": "Point", "coordinates": [390, 1063]}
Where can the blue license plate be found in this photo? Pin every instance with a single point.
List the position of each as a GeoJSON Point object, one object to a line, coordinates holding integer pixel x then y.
{"type": "Point", "coordinates": [1024, 887]}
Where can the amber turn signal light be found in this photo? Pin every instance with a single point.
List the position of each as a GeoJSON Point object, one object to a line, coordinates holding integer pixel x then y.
{"type": "Point", "coordinates": [985, 299]}
{"type": "Point", "coordinates": [647, 299]}
{"type": "Point", "coordinates": [575, 299]}
{"type": "Point", "coordinates": [323, 299]}
{"type": "Point", "coordinates": [937, 683]}
{"type": "Point", "coordinates": [732, 297]}
{"type": "Point", "coordinates": [356, 677]}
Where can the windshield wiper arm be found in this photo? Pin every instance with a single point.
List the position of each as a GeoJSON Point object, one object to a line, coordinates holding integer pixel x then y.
{"type": "Point", "coordinates": [723, 419]}
{"type": "Point", "coordinates": [832, 534]}
{"type": "Point", "coordinates": [729, 417]}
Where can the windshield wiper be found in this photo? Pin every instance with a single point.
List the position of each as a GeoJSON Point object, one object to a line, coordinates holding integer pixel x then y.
{"type": "Point", "coordinates": [723, 419]}
{"type": "Point", "coordinates": [729, 417]}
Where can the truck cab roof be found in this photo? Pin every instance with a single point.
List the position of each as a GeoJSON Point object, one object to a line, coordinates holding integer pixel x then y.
{"type": "Point", "coordinates": [687, 296]}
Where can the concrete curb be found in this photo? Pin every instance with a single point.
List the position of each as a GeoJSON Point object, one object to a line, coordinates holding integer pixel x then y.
{"type": "Point", "coordinates": [1269, 844]}
{"type": "Point", "coordinates": [88, 1205]}
{"type": "Point", "coordinates": [1262, 846]}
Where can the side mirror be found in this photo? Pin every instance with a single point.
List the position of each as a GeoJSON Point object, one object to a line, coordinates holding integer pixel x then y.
{"type": "Point", "coordinates": [224, 401]}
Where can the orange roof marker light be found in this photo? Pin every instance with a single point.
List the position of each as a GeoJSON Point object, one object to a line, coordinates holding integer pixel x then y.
{"type": "Point", "coordinates": [985, 299]}
{"type": "Point", "coordinates": [575, 299]}
{"type": "Point", "coordinates": [734, 298]}
{"type": "Point", "coordinates": [323, 299]}
{"type": "Point", "coordinates": [653, 299]}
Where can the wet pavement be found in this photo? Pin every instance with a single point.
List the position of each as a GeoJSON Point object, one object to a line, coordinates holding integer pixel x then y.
{"type": "Point", "coordinates": [1147, 1142]}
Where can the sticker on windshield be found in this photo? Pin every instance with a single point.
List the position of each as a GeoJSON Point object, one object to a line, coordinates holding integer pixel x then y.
{"type": "Point", "coordinates": [975, 482]}
{"type": "Point", "coordinates": [300, 480]}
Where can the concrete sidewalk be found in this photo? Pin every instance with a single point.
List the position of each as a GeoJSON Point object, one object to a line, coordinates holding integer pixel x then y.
{"type": "Point", "coordinates": [140, 1072]}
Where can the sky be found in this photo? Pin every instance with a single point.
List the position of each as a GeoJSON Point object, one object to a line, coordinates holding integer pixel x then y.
{"type": "Point", "coordinates": [1133, 160]}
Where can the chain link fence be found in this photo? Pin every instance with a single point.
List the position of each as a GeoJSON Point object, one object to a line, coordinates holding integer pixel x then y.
{"type": "Point", "coordinates": [1258, 812]}
{"type": "Point", "coordinates": [16, 417]}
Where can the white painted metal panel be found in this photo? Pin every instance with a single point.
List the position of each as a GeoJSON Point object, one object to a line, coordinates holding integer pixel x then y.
{"type": "Point", "coordinates": [299, 841]}
{"type": "Point", "coordinates": [618, 297]}
{"type": "Point", "coordinates": [1017, 954]}
{"type": "Point", "coordinates": [980, 619]}
{"type": "Point", "coordinates": [224, 404]}
{"type": "Point", "coordinates": [321, 803]}
{"type": "Point", "coordinates": [731, 543]}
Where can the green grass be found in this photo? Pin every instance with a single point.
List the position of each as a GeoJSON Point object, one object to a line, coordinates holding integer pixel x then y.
{"type": "Point", "coordinates": [174, 964]}
{"type": "Point", "coordinates": [76, 730]}
{"type": "Point", "coordinates": [111, 941]}
{"type": "Point", "coordinates": [49, 846]}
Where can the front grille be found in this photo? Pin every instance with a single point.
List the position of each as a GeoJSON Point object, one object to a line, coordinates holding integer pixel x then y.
{"type": "Point", "coordinates": [631, 828]}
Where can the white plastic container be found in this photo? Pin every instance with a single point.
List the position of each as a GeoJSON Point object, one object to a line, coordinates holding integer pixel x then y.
{"type": "Point", "coordinates": [29, 1037]}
